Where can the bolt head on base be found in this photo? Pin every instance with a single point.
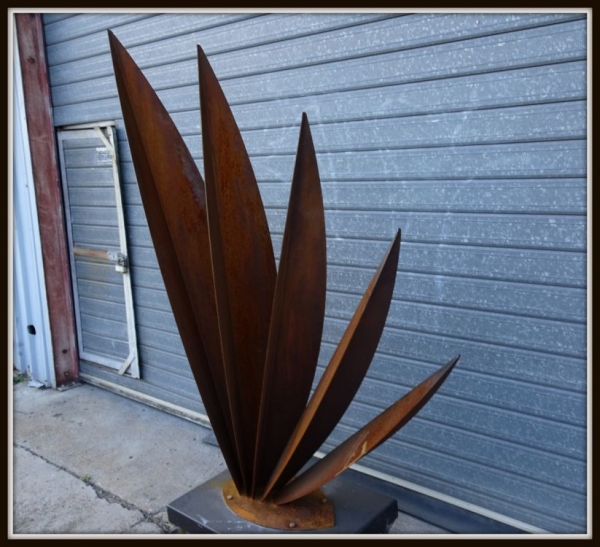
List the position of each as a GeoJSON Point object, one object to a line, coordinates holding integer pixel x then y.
{"type": "Point", "coordinates": [311, 512]}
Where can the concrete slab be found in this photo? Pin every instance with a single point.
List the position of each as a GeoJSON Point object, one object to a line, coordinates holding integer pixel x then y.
{"type": "Point", "coordinates": [136, 452]}
{"type": "Point", "coordinates": [49, 500]}
{"type": "Point", "coordinates": [87, 460]}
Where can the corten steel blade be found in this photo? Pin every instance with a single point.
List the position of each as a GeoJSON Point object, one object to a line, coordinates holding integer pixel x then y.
{"type": "Point", "coordinates": [297, 316]}
{"type": "Point", "coordinates": [366, 439]}
{"type": "Point", "coordinates": [172, 192]}
{"type": "Point", "coordinates": [345, 371]}
{"type": "Point", "coordinates": [243, 262]}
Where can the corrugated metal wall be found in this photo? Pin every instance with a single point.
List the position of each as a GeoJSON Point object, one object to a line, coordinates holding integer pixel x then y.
{"type": "Point", "coordinates": [32, 346]}
{"type": "Point", "coordinates": [468, 131]}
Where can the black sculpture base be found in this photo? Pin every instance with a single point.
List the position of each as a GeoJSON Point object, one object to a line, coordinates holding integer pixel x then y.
{"type": "Point", "coordinates": [358, 510]}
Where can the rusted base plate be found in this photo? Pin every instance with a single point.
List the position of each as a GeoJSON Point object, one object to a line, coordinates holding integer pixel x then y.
{"type": "Point", "coordinates": [358, 510]}
{"type": "Point", "coordinates": [312, 512]}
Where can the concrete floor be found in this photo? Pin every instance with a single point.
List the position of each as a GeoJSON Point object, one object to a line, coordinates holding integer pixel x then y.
{"type": "Point", "coordinates": [88, 461]}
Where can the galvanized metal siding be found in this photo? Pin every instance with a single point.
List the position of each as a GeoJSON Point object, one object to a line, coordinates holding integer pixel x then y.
{"type": "Point", "coordinates": [468, 131]}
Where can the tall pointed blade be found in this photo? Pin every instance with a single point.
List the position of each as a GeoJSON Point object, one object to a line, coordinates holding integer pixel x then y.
{"type": "Point", "coordinates": [172, 193]}
{"type": "Point", "coordinates": [297, 316]}
{"type": "Point", "coordinates": [243, 262]}
{"type": "Point", "coordinates": [366, 439]}
{"type": "Point", "coordinates": [345, 371]}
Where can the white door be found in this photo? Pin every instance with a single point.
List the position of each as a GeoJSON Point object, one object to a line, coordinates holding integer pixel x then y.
{"type": "Point", "coordinates": [98, 248]}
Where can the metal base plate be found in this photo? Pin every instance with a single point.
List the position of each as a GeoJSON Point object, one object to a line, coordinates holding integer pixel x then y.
{"type": "Point", "coordinates": [358, 510]}
{"type": "Point", "coordinates": [311, 512]}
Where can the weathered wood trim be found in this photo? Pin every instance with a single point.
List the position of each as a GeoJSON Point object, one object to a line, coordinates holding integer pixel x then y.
{"type": "Point", "coordinates": [38, 110]}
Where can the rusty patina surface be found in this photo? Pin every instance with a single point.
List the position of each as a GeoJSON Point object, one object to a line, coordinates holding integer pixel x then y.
{"type": "Point", "coordinates": [344, 374]}
{"type": "Point", "coordinates": [297, 316]}
{"type": "Point", "coordinates": [252, 334]}
{"type": "Point", "coordinates": [365, 439]}
{"type": "Point", "coordinates": [173, 196]}
{"type": "Point", "coordinates": [311, 512]}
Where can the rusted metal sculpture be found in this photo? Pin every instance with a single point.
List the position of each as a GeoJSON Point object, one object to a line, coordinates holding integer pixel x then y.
{"type": "Point", "coordinates": [252, 333]}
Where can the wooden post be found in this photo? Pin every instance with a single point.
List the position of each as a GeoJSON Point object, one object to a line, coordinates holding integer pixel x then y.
{"type": "Point", "coordinates": [38, 110]}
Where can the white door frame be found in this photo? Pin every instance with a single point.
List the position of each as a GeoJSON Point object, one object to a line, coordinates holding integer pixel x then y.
{"type": "Point", "coordinates": [105, 131]}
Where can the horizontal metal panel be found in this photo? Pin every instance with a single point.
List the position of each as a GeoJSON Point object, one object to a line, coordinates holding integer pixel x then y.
{"type": "Point", "coordinates": [159, 320]}
{"type": "Point", "coordinates": [153, 298]}
{"type": "Point", "coordinates": [105, 346]}
{"type": "Point", "coordinates": [48, 18]}
{"type": "Point", "coordinates": [543, 267]}
{"type": "Point", "coordinates": [542, 401]}
{"type": "Point", "coordinates": [515, 299]}
{"type": "Point", "coordinates": [79, 138]}
{"type": "Point", "coordinates": [555, 43]}
{"type": "Point", "coordinates": [143, 256]}
{"type": "Point", "coordinates": [344, 43]}
{"type": "Point", "coordinates": [520, 124]}
{"type": "Point", "coordinates": [561, 82]}
{"type": "Point", "coordinates": [517, 231]}
{"type": "Point", "coordinates": [149, 278]}
{"type": "Point", "coordinates": [88, 157]}
{"type": "Point", "coordinates": [523, 161]}
{"type": "Point", "coordinates": [539, 196]}
{"type": "Point", "coordinates": [238, 35]}
{"type": "Point", "coordinates": [100, 291]}
{"type": "Point", "coordinates": [83, 24]}
{"type": "Point", "coordinates": [174, 363]}
{"type": "Point", "coordinates": [100, 216]}
{"type": "Point", "coordinates": [102, 308]}
{"type": "Point", "coordinates": [158, 339]}
{"type": "Point", "coordinates": [92, 196]}
{"type": "Point", "coordinates": [565, 81]}
{"type": "Point", "coordinates": [102, 236]}
{"type": "Point", "coordinates": [537, 465]}
{"type": "Point", "coordinates": [419, 324]}
{"type": "Point", "coordinates": [475, 483]}
{"type": "Point", "coordinates": [104, 327]}
{"type": "Point", "coordinates": [172, 388]}
{"type": "Point", "coordinates": [174, 383]}
{"type": "Point", "coordinates": [490, 361]}
{"type": "Point", "coordinates": [161, 27]}
{"type": "Point", "coordinates": [515, 50]}
{"type": "Point", "coordinates": [564, 42]}
{"type": "Point", "coordinates": [90, 176]}
{"type": "Point", "coordinates": [490, 421]}
{"type": "Point", "coordinates": [518, 299]}
{"type": "Point", "coordinates": [97, 271]}
{"type": "Point", "coordinates": [264, 32]}
{"type": "Point", "coordinates": [567, 269]}
{"type": "Point", "coordinates": [568, 339]}
{"type": "Point", "coordinates": [554, 159]}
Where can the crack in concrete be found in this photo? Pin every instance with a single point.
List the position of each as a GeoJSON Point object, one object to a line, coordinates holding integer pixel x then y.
{"type": "Point", "coordinates": [104, 494]}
